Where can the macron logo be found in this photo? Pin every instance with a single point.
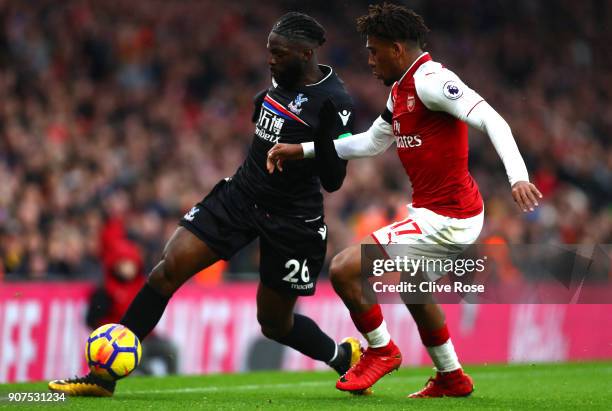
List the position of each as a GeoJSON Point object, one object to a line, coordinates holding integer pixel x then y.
{"type": "Point", "coordinates": [344, 116]}
{"type": "Point", "coordinates": [323, 232]}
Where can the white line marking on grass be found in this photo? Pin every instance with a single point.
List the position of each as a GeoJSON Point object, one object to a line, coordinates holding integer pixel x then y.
{"type": "Point", "coordinates": [478, 375]}
{"type": "Point", "coordinates": [246, 387]}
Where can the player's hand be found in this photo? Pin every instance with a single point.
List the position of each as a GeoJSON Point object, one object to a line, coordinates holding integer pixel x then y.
{"type": "Point", "coordinates": [526, 195]}
{"type": "Point", "coordinates": [282, 152]}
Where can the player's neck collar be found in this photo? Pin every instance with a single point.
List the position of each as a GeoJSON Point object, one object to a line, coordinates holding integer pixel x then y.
{"type": "Point", "coordinates": [323, 68]}
{"type": "Point", "coordinates": [415, 64]}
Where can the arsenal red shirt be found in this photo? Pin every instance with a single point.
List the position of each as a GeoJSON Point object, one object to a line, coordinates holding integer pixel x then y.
{"type": "Point", "coordinates": [432, 144]}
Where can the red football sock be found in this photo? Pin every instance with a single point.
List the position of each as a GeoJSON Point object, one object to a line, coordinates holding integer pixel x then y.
{"type": "Point", "coordinates": [440, 348]}
{"type": "Point", "coordinates": [434, 338]}
{"type": "Point", "coordinates": [372, 325]}
{"type": "Point", "coordinates": [368, 320]}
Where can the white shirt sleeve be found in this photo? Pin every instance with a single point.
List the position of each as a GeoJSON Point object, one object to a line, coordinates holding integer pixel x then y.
{"type": "Point", "coordinates": [442, 90]}
{"type": "Point", "coordinates": [486, 119]}
{"type": "Point", "coordinates": [367, 144]}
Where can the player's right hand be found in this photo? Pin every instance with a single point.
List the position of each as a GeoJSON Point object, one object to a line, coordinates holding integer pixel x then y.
{"type": "Point", "coordinates": [281, 152]}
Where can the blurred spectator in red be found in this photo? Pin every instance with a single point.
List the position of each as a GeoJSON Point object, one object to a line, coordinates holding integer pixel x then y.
{"type": "Point", "coordinates": [123, 278]}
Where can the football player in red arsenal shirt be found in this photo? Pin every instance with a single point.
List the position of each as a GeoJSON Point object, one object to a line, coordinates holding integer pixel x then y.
{"type": "Point", "coordinates": [427, 116]}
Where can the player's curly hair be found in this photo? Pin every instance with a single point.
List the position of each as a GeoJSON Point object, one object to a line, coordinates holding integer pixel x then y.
{"type": "Point", "coordinates": [394, 23]}
{"type": "Point", "coordinates": [300, 26]}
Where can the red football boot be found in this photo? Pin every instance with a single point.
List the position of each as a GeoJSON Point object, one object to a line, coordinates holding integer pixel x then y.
{"type": "Point", "coordinates": [448, 384]}
{"type": "Point", "coordinates": [374, 364]}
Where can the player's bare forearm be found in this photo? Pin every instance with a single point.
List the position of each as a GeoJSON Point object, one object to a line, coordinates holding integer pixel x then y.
{"type": "Point", "coordinates": [282, 152]}
{"type": "Point", "coordinates": [526, 195]}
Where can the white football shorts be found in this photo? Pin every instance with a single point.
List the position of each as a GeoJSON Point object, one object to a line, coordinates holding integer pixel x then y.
{"type": "Point", "coordinates": [427, 235]}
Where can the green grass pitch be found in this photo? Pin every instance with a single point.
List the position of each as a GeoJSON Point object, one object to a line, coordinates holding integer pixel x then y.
{"type": "Point", "coordinates": [575, 386]}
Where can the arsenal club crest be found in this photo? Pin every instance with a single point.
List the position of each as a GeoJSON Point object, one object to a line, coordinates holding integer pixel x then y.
{"type": "Point", "coordinates": [411, 102]}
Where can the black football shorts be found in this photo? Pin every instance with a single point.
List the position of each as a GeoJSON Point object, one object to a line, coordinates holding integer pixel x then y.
{"type": "Point", "coordinates": [292, 250]}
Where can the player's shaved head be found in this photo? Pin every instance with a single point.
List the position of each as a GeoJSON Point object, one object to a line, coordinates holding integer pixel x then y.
{"type": "Point", "coordinates": [393, 23]}
{"type": "Point", "coordinates": [300, 27]}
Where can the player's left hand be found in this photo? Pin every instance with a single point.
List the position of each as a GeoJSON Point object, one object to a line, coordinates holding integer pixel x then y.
{"type": "Point", "coordinates": [281, 152]}
{"type": "Point", "coordinates": [526, 195]}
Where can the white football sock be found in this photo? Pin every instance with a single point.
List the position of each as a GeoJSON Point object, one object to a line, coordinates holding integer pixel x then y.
{"type": "Point", "coordinates": [444, 357]}
{"type": "Point", "coordinates": [378, 337]}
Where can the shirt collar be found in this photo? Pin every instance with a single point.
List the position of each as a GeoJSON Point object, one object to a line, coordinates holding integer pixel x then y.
{"type": "Point", "coordinates": [415, 65]}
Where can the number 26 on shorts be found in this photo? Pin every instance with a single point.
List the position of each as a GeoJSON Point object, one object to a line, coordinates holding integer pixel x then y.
{"type": "Point", "coordinates": [294, 268]}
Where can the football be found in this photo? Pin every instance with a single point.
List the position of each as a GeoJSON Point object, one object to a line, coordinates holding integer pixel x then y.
{"type": "Point", "coordinates": [113, 351]}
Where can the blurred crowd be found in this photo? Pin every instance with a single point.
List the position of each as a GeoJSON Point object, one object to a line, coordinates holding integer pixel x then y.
{"type": "Point", "coordinates": [116, 117]}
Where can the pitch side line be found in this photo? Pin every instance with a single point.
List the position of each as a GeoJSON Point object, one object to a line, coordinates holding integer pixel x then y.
{"type": "Point", "coordinates": [246, 387]}
{"type": "Point", "coordinates": [330, 383]}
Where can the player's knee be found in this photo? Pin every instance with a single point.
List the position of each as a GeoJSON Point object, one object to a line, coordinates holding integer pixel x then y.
{"type": "Point", "coordinates": [339, 269]}
{"type": "Point", "coordinates": [273, 329]}
{"type": "Point", "coordinates": [272, 333]}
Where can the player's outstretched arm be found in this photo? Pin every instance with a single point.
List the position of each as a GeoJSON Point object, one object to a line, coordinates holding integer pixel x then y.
{"type": "Point", "coordinates": [367, 144]}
